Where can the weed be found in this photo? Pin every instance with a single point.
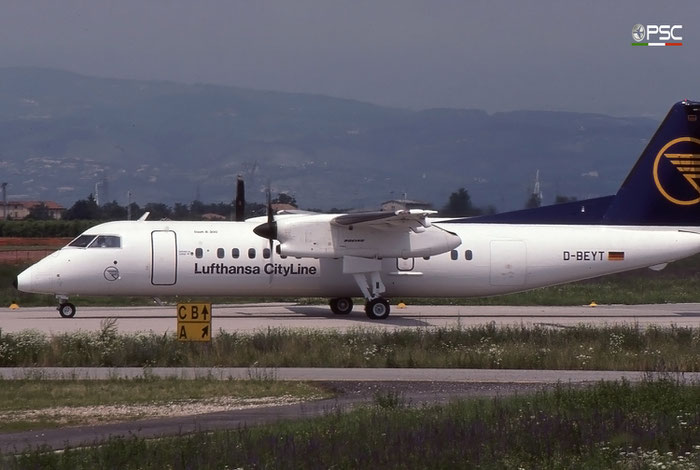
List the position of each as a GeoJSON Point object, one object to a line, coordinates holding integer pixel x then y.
{"type": "Point", "coordinates": [607, 425]}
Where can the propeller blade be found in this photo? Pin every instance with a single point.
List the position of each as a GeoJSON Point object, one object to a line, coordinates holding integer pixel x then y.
{"type": "Point", "coordinates": [269, 229]}
{"type": "Point", "coordinates": [270, 215]}
{"type": "Point", "coordinates": [240, 199]}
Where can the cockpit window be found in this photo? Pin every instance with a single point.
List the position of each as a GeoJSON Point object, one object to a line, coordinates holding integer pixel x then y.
{"type": "Point", "coordinates": [106, 241]}
{"type": "Point", "coordinates": [82, 241]}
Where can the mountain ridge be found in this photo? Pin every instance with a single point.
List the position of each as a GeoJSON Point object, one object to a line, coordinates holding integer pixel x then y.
{"type": "Point", "coordinates": [60, 133]}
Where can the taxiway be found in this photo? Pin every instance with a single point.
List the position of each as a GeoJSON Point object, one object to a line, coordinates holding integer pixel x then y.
{"type": "Point", "coordinates": [252, 317]}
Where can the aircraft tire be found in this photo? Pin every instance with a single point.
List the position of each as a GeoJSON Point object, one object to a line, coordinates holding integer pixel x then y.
{"type": "Point", "coordinates": [67, 310]}
{"type": "Point", "coordinates": [341, 305]}
{"type": "Point", "coordinates": [377, 309]}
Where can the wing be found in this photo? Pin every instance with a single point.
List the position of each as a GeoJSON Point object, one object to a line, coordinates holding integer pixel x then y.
{"type": "Point", "coordinates": [414, 219]}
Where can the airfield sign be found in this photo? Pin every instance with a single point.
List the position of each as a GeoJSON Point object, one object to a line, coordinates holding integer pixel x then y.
{"type": "Point", "coordinates": [194, 322]}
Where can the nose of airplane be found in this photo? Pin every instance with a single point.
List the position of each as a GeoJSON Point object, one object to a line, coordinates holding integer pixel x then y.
{"type": "Point", "coordinates": [35, 280]}
{"type": "Point", "coordinates": [23, 280]}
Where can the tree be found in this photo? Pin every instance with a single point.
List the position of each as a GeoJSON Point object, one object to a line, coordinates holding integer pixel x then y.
{"type": "Point", "coordinates": [534, 201]}
{"type": "Point", "coordinates": [84, 209]}
{"type": "Point", "coordinates": [284, 198]}
{"type": "Point", "coordinates": [460, 204]}
{"type": "Point", "coordinates": [181, 211]}
{"type": "Point", "coordinates": [197, 208]}
{"type": "Point", "coordinates": [158, 211]}
{"type": "Point", "coordinates": [113, 211]}
{"type": "Point", "coordinates": [564, 199]}
{"type": "Point", "coordinates": [39, 212]}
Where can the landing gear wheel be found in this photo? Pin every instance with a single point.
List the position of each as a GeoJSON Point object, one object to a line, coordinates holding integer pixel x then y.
{"type": "Point", "coordinates": [377, 309]}
{"type": "Point", "coordinates": [341, 306]}
{"type": "Point", "coordinates": [67, 310]}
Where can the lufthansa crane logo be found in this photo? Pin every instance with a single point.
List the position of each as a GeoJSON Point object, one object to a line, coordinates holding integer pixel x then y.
{"type": "Point", "coordinates": [677, 171]}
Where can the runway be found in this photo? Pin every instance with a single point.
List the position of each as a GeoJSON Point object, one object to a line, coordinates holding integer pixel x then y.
{"type": "Point", "coordinates": [253, 317]}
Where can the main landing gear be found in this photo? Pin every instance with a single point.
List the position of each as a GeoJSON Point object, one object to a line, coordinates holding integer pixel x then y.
{"type": "Point", "coordinates": [376, 309]}
{"type": "Point", "coordinates": [366, 273]}
{"type": "Point", "coordinates": [341, 305]}
{"type": "Point", "coordinates": [65, 308]}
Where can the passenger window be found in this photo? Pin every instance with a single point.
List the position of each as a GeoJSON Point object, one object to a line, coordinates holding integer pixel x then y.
{"type": "Point", "coordinates": [266, 253]}
{"type": "Point", "coordinates": [454, 255]}
{"type": "Point", "coordinates": [251, 253]}
{"type": "Point", "coordinates": [426, 258]}
{"type": "Point", "coordinates": [106, 241]}
{"type": "Point", "coordinates": [82, 241]}
{"type": "Point", "coordinates": [468, 255]}
{"type": "Point", "coordinates": [236, 253]}
{"type": "Point", "coordinates": [220, 253]}
{"type": "Point", "coordinates": [198, 253]}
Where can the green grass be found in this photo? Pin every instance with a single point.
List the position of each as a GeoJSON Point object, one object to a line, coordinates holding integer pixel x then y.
{"type": "Point", "coordinates": [609, 425]}
{"type": "Point", "coordinates": [508, 347]}
{"type": "Point", "coordinates": [42, 396]}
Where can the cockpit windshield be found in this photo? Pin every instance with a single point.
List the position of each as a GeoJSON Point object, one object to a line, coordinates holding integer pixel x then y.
{"type": "Point", "coordinates": [96, 241]}
{"type": "Point", "coordinates": [82, 241]}
{"type": "Point", "coordinates": [106, 241]}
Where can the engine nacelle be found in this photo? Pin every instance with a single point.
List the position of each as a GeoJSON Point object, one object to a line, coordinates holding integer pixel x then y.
{"type": "Point", "coordinates": [316, 237]}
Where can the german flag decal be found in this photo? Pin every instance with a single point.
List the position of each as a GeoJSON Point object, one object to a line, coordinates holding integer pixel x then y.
{"type": "Point", "coordinates": [616, 255]}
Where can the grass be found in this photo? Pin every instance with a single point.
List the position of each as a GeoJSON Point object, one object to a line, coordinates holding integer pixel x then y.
{"type": "Point", "coordinates": [509, 347]}
{"type": "Point", "coordinates": [609, 425]}
{"type": "Point", "coordinates": [43, 397]}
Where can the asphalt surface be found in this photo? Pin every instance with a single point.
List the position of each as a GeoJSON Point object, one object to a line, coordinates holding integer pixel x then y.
{"type": "Point", "coordinates": [252, 317]}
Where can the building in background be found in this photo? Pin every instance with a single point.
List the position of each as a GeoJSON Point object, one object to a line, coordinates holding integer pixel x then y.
{"type": "Point", "coordinates": [17, 210]}
{"type": "Point", "coordinates": [404, 204]}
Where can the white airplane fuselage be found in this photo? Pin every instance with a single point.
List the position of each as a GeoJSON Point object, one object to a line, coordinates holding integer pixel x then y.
{"type": "Point", "coordinates": [159, 258]}
{"type": "Point", "coordinates": [653, 219]}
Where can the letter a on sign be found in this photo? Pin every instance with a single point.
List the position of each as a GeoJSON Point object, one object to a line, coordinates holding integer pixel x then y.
{"type": "Point", "coordinates": [194, 322]}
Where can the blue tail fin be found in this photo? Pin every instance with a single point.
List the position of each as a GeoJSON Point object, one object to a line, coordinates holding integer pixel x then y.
{"type": "Point", "coordinates": [663, 188]}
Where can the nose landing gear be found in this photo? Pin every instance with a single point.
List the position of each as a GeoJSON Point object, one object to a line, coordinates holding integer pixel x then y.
{"type": "Point", "coordinates": [65, 308]}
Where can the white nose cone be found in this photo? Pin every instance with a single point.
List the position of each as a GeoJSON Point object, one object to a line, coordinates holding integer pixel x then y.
{"type": "Point", "coordinates": [24, 280]}
{"type": "Point", "coordinates": [37, 282]}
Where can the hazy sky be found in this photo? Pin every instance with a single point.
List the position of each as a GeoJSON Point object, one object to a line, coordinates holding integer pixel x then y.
{"type": "Point", "coordinates": [494, 55]}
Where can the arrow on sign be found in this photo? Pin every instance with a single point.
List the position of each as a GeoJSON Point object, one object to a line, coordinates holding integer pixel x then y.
{"type": "Point", "coordinates": [205, 331]}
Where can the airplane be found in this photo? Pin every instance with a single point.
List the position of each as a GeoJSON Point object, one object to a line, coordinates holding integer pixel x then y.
{"type": "Point", "coordinates": [654, 219]}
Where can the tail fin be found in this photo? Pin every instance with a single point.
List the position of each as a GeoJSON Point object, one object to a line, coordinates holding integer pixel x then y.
{"type": "Point", "coordinates": [663, 188]}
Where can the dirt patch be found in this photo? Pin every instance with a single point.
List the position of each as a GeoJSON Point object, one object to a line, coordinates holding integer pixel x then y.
{"type": "Point", "coordinates": [23, 256]}
{"type": "Point", "coordinates": [30, 241]}
{"type": "Point", "coordinates": [101, 414]}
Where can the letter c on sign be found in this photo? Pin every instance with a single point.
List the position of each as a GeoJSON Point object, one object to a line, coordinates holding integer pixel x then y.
{"type": "Point", "coordinates": [182, 312]}
{"type": "Point", "coordinates": [673, 34]}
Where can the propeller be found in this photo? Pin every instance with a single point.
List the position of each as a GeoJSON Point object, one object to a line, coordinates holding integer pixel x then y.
{"type": "Point", "coordinates": [240, 199]}
{"type": "Point", "coordinates": [268, 229]}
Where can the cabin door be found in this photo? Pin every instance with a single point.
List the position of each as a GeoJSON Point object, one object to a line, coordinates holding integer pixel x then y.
{"type": "Point", "coordinates": [164, 261]}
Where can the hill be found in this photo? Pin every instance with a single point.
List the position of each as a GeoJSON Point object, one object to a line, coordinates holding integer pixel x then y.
{"type": "Point", "coordinates": [61, 132]}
